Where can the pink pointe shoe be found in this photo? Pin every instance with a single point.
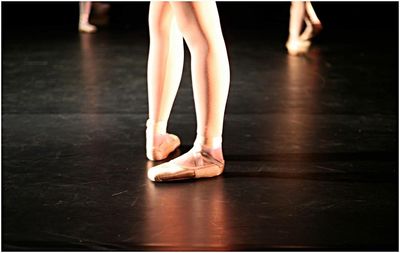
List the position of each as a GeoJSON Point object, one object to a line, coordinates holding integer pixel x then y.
{"type": "Point", "coordinates": [192, 165]}
{"type": "Point", "coordinates": [169, 143]}
{"type": "Point", "coordinates": [298, 47]}
{"type": "Point", "coordinates": [85, 27]}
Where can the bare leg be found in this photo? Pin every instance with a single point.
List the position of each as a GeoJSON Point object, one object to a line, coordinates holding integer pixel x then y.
{"type": "Point", "coordinates": [200, 27]}
{"type": "Point", "coordinates": [84, 14]}
{"type": "Point", "coordinates": [294, 44]}
{"type": "Point", "coordinates": [165, 64]}
{"type": "Point", "coordinates": [313, 24]}
{"type": "Point", "coordinates": [311, 13]}
{"type": "Point", "coordinates": [297, 13]}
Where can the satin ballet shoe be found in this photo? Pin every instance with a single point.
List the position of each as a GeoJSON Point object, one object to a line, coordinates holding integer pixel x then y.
{"type": "Point", "coordinates": [192, 165]}
{"type": "Point", "coordinates": [87, 28]}
{"type": "Point", "coordinates": [298, 47]}
{"type": "Point", "coordinates": [161, 151]}
{"type": "Point", "coordinates": [311, 31]}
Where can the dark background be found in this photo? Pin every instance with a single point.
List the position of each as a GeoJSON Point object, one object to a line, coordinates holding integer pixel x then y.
{"type": "Point", "coordinates": [349, 16]}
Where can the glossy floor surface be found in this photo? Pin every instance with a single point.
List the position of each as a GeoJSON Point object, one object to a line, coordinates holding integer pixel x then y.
{"type": "Point", "coordinates": [311, 147]}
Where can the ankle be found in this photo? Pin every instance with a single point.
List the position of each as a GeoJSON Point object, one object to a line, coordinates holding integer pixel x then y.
{"type": "Point", "coordinates": [156, 127]}
{"type": "Point", "coordinates": [214, 152]}
{"type": "Point", "coordinates": [293, 38]}
{"type": "Point", "coordinates": [211, 145]}
{"type": "Point", "coordinates": [155, 132]}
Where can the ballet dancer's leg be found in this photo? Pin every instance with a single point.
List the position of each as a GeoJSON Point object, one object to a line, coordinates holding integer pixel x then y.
{"type": "Point", "coordinates": [84, 13]}
{"type": "Point", "coordinates": [313, 24]}
{"type": "Point", "coordinates": [165, 64]}
{"type": "Point", "coordinates": [294, 44]}
{"type": "Point", "coordinates": [200, 26]}
{"type": "Point", "coordinates": [311, 13]}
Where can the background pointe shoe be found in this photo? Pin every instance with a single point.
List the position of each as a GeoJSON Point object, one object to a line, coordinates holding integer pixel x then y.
{"type": "Point", "coordinates": [168, 144]}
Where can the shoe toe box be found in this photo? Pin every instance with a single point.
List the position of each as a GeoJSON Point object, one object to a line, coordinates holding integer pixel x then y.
{"type": "Point", "coordinates": [169, 172]}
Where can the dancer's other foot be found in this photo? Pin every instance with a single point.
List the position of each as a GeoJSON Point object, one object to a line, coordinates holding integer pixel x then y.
{"type": "Point", "coordinates": [86, 27]}
{"type": "Point", "coordinates": [159, 143]}
{"type": "Point", "coordinates": [297, 47]}
{"type": "Point", "coordinates": [311, 30]}
{"type": "Point", "coordinates": [192, 165]}
{"type": "Point", "coordinates": [161, 146]}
